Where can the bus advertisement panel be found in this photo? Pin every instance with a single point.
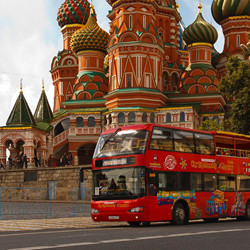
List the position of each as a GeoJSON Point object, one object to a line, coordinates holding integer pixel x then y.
{"type": "Point", "coordinates": [146, 173]}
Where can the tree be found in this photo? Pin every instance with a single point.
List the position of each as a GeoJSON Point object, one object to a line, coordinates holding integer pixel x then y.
{"type": "Point", "coordinates": [210, 125]}
{"type": "Point", "coordinates": [246, 48]}
{"type": "Point", "coordinates": [236, 87]}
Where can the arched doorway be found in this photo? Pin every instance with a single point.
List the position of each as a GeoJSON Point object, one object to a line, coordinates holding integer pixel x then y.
{"type": "Point", "coordinates": [85, 153]}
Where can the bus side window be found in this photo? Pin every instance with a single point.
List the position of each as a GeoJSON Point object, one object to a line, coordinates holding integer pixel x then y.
{"type": "Point", "coordinates": [209, 182]}
{"type": "Point", "coordinates": [226, 183]}
{"type": "Point", "coordinates": [204, 143]}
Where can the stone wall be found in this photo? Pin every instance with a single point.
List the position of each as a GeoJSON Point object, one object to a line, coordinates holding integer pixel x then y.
{"type": "Point", "coordinates": [61, 180]}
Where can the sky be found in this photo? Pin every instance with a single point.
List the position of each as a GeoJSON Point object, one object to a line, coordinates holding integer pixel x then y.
{"type": "Point", "coordinates": [30, 38]}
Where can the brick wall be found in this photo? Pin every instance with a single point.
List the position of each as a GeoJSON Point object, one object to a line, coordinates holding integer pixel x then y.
{"type": "Point", "coordinates": [61, 179]}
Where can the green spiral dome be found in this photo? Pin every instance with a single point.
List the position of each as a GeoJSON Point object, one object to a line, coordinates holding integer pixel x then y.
{"type": "Point", "coordinates": [222, 9]}
{"type": "Point", "coordinates": [200, 31]}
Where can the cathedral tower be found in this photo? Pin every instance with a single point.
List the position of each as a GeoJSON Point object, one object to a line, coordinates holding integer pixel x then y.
{"type": "Point", "coordinates": [72, 15]}
{"type": "Point", "coordinates": [234, 18]}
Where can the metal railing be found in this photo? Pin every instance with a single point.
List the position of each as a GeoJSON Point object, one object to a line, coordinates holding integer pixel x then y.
{"type": "Point", "coordinates": [81, 198]}
{"type": "Point", "coordinates": [20, 202]}
{"type": "Point", "coordinates": [25, 201]}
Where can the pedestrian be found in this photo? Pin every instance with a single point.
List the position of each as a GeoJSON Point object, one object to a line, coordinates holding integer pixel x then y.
{"type": "Point", "coordinates": [10, 162]}
{"type": "Point", "coordinates": [36, 161]}
{"type": "Point", "coordinates": [64, 159]}
{"type": "Point", "coordinates": [25, 161]}
{"type": "Point", "coordinates": [1, 165]}
{"type": "Point", "coordinates": [39, 160]}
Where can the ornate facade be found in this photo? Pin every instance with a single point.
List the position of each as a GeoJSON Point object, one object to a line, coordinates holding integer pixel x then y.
{"type": "Point", "coordinates": [147, 69]}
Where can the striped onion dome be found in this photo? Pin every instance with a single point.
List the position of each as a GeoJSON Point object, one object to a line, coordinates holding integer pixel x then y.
{"type": "Point", "coordinates": [200, 31]}
{"type": "Point", "coordinates": [73, 12]}
{"type": "Point", "coordinates": [114, 2]}
{"type": "Point", "coordinates": [222, 9]}
{"type": "Point", "coordinates": [90, 37]}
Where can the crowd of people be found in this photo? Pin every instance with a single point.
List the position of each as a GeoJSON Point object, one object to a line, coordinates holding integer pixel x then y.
{"type": "Point", "coordinates": [21, 162]}
{"type": "Point", "coordinates": [18, 162]}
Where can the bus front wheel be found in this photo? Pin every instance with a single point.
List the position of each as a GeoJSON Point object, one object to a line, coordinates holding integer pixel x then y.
{"type": "Point", "coordinates": [134, 223]}
{"type": "Point", "coordinates": [180, 216]}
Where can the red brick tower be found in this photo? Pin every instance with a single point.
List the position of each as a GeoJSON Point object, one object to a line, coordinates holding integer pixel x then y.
{"type": "Point", "coordinates": [234, 18]}
{"type": "Point", "coordinates": [72, 15]}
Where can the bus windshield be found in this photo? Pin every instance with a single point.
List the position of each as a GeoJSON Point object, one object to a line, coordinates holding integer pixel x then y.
{"type": "Point", "coordinates": [121, 142]}
{"type": "Point", "coordinates": [125, 183]}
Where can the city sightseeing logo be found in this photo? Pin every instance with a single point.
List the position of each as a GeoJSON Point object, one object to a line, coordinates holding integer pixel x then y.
{"type": "Point", "coordinates": [170, 162]}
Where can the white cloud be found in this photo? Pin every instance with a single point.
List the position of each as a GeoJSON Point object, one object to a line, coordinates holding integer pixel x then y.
{"type": "Point", "coordinates": [24, 52]}
{"type": "Point", "coordinates": [30, 38]}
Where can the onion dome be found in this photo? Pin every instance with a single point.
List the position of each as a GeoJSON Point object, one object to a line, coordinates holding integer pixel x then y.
{"type": "Point", "coordinates": [200, 31]}
{"type": "Point", "coordinates": [73, 12]}
{"type": "Point", "coordinates": [222, 9]}
{"type": "Point", "coordinates": [90, 37]}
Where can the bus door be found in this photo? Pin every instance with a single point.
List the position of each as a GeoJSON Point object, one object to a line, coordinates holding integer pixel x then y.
{"type": "Point", "coordinates": [226, 195]}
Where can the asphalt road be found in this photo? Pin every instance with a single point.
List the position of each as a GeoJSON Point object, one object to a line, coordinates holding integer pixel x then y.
{"type": "Point", "coordinates": [229, 234]}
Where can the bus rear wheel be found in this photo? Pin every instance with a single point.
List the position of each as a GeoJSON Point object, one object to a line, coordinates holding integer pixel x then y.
{"type": "Point", "coordinates": [134, 223]}
{"type": "Point", "coordinates": [180, 216]}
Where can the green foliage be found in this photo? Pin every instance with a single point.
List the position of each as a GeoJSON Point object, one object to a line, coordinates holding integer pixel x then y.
{"type": "Point", "coordinates": [210, 125]}
{"type": "Point", "coordinates": [236, 87]}
{"type": "Point", "coordinates": [246, 48]}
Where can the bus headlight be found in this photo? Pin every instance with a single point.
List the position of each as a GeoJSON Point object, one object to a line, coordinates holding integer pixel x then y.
{"type": "Point", "coordinates": [136, 210]}
{"type": "Point", "coordinates": [94, 211]}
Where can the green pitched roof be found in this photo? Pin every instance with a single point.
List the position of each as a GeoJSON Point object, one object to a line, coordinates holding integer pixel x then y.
{"type": "Point", "coordinates": [21, 114]}
{"type": "Point", "coordinates": [43, 111]}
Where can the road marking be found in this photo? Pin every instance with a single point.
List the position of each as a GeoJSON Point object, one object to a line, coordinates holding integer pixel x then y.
{"type": "Point", "coordinates": [132, 239]}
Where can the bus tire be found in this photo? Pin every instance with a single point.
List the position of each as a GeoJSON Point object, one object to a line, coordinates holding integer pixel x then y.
{"type": "Point", "coordinates": [146, 223]}
{"type": "Point", "coordinates": [180, 214]}
{"type": "Point", "coordinates": [134, 223]}
{"type": "Point", "coordinates": [247, 216]}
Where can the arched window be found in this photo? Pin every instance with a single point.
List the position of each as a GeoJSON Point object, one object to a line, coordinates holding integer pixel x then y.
{"type": "Point", "coordinates": [217, 120]}
{"type": "Point", "coordinates": [197, 55]}
{"type": "Point", "coordinates": [168, 117]}
{"type": "Point", "coordinates": [238, 41]}
{"type": "Point", "coordinates": [165, 78]}
{"type": "Point", "coordinates": [79, 122]}
{"type": "Point", "coordinates": [174, 79]}
{"type": "Point", "coordinates": [144, 117]}
{"type": "Point", "coordinates": [144, 22]}
{"type": "Point", "coordinates": [130, 22]}
{"type": "Point", "coordinates": [121, 117]}
{"type": "Point", "coordinates": [196, 89]}
{"type": "Point", "coordinates": [131, 117]}
{"type": "Point", "coordinates": [152, 117]}
{"type": "Point", "coordinates": [105, 120]}
{"type": "Point", "coordinates": [62, 126]}
{"type": "Point", "coordinates": [182, 117]}
{"type": "Point", "coordinates": [205, 119]}
{"type": "Point", "coordinates": [91, 121]}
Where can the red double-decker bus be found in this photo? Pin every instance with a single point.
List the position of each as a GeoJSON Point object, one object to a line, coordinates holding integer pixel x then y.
{"type": "Point", "coordinates": [146, 173]}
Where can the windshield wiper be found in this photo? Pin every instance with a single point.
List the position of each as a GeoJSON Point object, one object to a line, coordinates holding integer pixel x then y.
{"type": "Point", "coordinates": [107, 140]}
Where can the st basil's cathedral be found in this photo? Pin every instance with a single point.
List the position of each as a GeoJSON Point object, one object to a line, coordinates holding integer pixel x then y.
{"type": "Point", "coordinates": [149, 68]}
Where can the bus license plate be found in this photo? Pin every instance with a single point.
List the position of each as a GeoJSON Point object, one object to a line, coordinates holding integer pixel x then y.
{"type": "Point", "coordinates": [114, 217]}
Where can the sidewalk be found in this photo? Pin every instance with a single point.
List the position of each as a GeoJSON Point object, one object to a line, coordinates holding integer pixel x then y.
{"type": "Point", "coordinates": [58, 223]}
